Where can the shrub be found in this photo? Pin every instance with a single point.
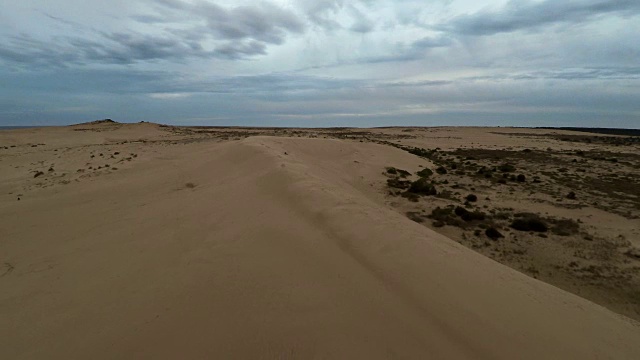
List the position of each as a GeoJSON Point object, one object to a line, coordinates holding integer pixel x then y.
{"type": "Point", "coordinates": [39, 173]}
{"type": "Point", "coordinates": [445, 217]}
{"type": "Point", "coordinates": [410, 196]}
{"type": "Point", "coordinates": [438, 224]}
{"type": "Point", "coordinates": [398, 184]}
{"type": "Point", "coordinates": [571, 196]}
{"type": "Point", "coordinates": [425, 172]}
{"type": "Point", "coordinates": [423, 187]}
{"type": "Point", "coordinates": [493, 233]}
{"type": "Point", "coordinates": [507, 168]}
{"type": "Point", "coordinates": [521, 178]}
{"type": "Point", "coordinates": [399, 172]}
{"type": "Point", "coordinates": [467, 215]}
{"type": "Point", "coordinates": [415, 216]}
{"type": "Point", "coordinates": [529, 222]}
{"type": "Point", "coordinates": [472, 198]}
{"type": "Point", "coordinates": [441, 170]}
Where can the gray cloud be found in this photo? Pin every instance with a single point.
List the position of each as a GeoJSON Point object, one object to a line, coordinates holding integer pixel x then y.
{"type": "Point", "coordinates": [322, 12]}
{"type": "Point", "coordinates": [522, 15]}
{"type": "Point", "coordinates": [238, 33]}
{"type": "Point", "coordinates": [262, 22]}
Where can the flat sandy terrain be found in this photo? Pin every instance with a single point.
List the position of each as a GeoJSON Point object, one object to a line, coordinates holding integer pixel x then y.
{"type": "Point", "coordinates": [142, 241]}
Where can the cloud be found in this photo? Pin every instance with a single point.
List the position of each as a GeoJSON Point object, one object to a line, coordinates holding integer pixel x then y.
{"type": "Point", "coordinates": [168, 96]}
{"type": "Point", "coordinates": [322, 12]}
{"type": "Point", "coordinates": [235, 33]}
{"type": "Point", "coordinates": [262, 22]}
{"type": "Point", "coordinates": [522, 15]}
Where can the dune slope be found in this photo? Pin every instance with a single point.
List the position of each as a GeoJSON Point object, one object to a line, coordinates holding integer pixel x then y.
{"type": "Point", "coordinates": [269, 248]}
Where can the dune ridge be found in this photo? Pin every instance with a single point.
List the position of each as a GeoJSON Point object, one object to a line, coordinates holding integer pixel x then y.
{"type": "Point", "coordinates": [270, 247]}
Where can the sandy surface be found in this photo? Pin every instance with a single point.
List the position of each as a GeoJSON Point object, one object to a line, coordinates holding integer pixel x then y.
{"type": "Point", "coordinates": [287, 246]}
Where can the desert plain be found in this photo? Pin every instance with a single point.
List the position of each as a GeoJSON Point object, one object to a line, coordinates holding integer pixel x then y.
{"type": "Point", "coordinates": [150, 241]}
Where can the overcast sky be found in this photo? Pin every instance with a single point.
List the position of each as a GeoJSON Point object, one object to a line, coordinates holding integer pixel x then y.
{"type": "Point", "coordinates": [321, 63]}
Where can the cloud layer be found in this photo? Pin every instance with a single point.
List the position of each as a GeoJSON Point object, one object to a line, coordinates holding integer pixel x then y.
{"type": "Point", "coordinates": [328, 62]}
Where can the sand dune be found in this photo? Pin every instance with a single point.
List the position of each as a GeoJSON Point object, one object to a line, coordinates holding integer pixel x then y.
{"type": "Point", "coordinates": [266, 247]}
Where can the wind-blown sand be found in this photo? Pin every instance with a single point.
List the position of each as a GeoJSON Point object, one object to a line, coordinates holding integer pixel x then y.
{"type": "Point", "coordinates": [264, 247]}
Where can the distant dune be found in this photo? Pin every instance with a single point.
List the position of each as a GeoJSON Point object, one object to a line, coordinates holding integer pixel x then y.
{"type": "Point", "coordinates": [148, 241]}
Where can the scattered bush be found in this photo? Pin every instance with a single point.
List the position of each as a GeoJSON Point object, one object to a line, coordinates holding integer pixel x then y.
{"type": "Point", "coordinates": [467, 215]}
{"type": "Point", "coordinates": [398, 184]}
{"type": "Point", "coordinates": [507, 168]}
{"type": "Point", "coordinates": [422, 186]}
{"type": "Point", "coordinates": [415, 216]}
{"type": "Point", "coordinates": [529, 222]}
{"type": "Point", "coordinates": [399, 172]}
{"type": "Point", "coordinates": [425, 172]}
{"type": "Point", "coordinates": [39, 173]}
{"type": "Point", "coordinates": [445, 217]}
{"type": "Point", "coordinates": [410, 196]}
{"type": "Point", "coordinates": [493, 233]}
{"type": "Point", "coordinates": [438, 224]}
{"type": "Point", "coordinates": [441, 170]}
{"type": "Point", "coordinates": [571, 195]}
{"type": "Point", "coordinates": [521, 178]}
{"type": "Point", "coordinates": [472, 198]}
